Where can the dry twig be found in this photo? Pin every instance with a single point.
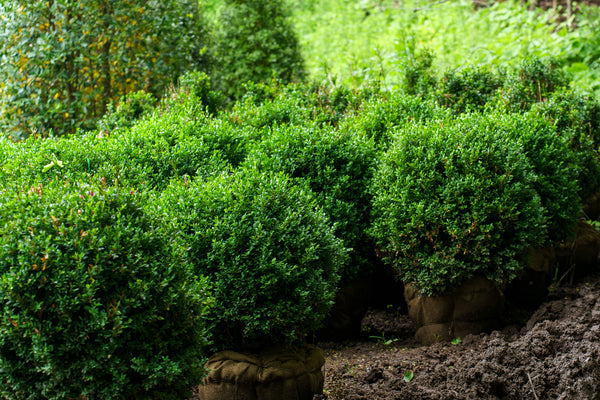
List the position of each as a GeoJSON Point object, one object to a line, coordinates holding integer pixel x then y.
{"type": "Point", "coordinates": [532, 387]}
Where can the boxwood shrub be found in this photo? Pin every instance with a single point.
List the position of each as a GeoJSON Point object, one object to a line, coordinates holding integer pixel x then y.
{"type": "Point", "coordinates": [312, 103]}
{"type": "Point", "coordinates": [156, 149]}
{"type": "Point", "coordinates": [533, 81]}
{"type": "Point", "coordinates": [554, 162]}
{"type": "Point", "coordinates": [95, 300]}
{"type": "Point", "coordinates": [381, 115]}
{"type": "Point", "coordinates": [457, 199]}
{"type": "Point", "coordinates": [338, 167]}
{"type": "Point", "coordinates": [576, 117]}
{"type": "Point", "coordinates": [267, 248]}
{"type": "Point", "coordinates": [468, 89]}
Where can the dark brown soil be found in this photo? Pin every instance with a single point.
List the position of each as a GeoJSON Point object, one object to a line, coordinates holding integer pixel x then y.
{"type": "Point", "coordinates": [554, 353]}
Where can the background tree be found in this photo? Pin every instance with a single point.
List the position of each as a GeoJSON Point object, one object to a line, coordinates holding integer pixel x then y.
{"type": "Point", "coordinates": [63, 61]}
{"type": "Point", "coordinates": [255, 42]}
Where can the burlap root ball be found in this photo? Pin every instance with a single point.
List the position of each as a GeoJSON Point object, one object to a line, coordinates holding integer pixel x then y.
{"type": "Point", "coordinates": [280, 373]}
{"type": "Point", "coordinates": [472, 308]}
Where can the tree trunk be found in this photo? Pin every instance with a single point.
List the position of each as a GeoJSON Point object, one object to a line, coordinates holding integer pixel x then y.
{"type": "Point", "coordinates": [105, 52]}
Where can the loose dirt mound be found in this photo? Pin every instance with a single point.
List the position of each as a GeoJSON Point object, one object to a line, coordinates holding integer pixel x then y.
{"type": "Point", "coordinates": [555, 354]}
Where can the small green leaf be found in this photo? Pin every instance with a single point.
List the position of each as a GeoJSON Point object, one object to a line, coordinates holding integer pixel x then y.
{"type": "Point", "coordinates": [577, 67]}
{"type": "Point", "coordinates": [48, 167]}
{"type": "Point", "coordinates": [456, 341]}
{"type": "Point", "coordinates": [408, 376]}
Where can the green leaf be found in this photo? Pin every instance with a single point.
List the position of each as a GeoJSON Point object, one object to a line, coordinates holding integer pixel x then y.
{"type": "Point", "coordinates": [577, 67]}
{"type": "Point", "coordinates": [408, 376]}
{"type": "Point", "coordinates": [48, 167]}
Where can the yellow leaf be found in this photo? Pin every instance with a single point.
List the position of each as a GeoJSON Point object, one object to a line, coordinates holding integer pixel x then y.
{"type": "Point", "coordinates": [54, 221]}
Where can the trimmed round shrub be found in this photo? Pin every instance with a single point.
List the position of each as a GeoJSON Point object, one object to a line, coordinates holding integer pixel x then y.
{"type": "Point", "coordinates": [95, 300]}
{"type": "Point", "coordinates": [553, 161]}
{"type": "Point", "coordinates": [338, 167]}
{"type": "Point", "coordinates": [469, 89]}
{"type": "Point", "coordinates": [266, 247]}
{"type": "Point", "coordinates": [576, 118]}
{"type": "Point", "coordinates": [381, 115]}
{"type": "Point", "coordinates": [454, 201]}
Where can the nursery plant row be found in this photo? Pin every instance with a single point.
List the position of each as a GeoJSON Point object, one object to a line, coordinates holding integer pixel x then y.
{"type": "Point", "coordinates": [130, 253]}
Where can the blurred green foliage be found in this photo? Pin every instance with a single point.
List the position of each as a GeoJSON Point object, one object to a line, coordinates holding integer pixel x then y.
{"type": "Point", "coordinates": [353, 42]}
{"type": "Point", "coordinates": [255, 42]}
{"type": "Point", "coordinates": [63, 62]}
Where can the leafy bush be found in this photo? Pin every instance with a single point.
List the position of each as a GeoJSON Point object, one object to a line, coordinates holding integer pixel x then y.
{"type": "Point", "coordinates": [95, 300]}
{"type": "Point", "coordinates": [338, 167]}
{"type": "Point", "coordinates": [469, 89]}
{"type": "Point", "coordinates": [554, 163]}
{"type": "Point", "coordinates": [267, 249]}
{"type": "Point", "coordinates": [64, 61]}
{"type": "Point", "coordinates": [570, 110]}
{"type": "Point", "coordinates": [577, 119]}
{"type": "Point", "coordinates": [328, 104]}
{"type": "Point", "coordinates": [273, 104]}
{"type": "Point", "coordinates": [197, 85]}
{"type": "Point", "coordinates": [379, 116]}
{"type": "Point", "coordinates": [130, 108]}
{"type": "Point", "coordinates": [457, 199]}
{"type": "Point", "coordinates": [181, 141]}
{"type": "Point", "coordinates": [266, 106]}
{"type": "Point", "coordinates": [255, 42]}
{"type": "Point", "coordinates": [161, 148]}
{"type": "Point", "coordinates": [533, 81]}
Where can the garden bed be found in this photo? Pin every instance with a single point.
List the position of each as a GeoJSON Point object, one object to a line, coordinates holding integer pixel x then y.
{"type": "Point", "coordinates": [552, 352]}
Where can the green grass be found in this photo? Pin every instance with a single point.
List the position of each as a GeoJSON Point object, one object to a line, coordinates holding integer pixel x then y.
{"type": "Point", "coordinates": [352, 42]}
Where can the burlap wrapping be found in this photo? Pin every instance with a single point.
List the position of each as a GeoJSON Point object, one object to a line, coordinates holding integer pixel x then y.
{"type": "Point", "coordinates": [473, 307]}
{"type": "Point", "coordinates": [542, 260]}
{"type": "Point", "coordinates": [280, 373]}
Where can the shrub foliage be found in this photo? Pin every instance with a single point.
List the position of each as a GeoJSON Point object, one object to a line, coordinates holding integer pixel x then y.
{"type": "Point", "coordinates": [255, 42]}
{"type": "Point", "coordinates": [457, 199]}
{"type": "Point", "coordinates": [266, 247]}
{"type": "Point", "coordinates": [64, 61]}
{"type": "Point", "coordinates": [95, 301]}
{"type": "Point", "coordinates": [338, 167]}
